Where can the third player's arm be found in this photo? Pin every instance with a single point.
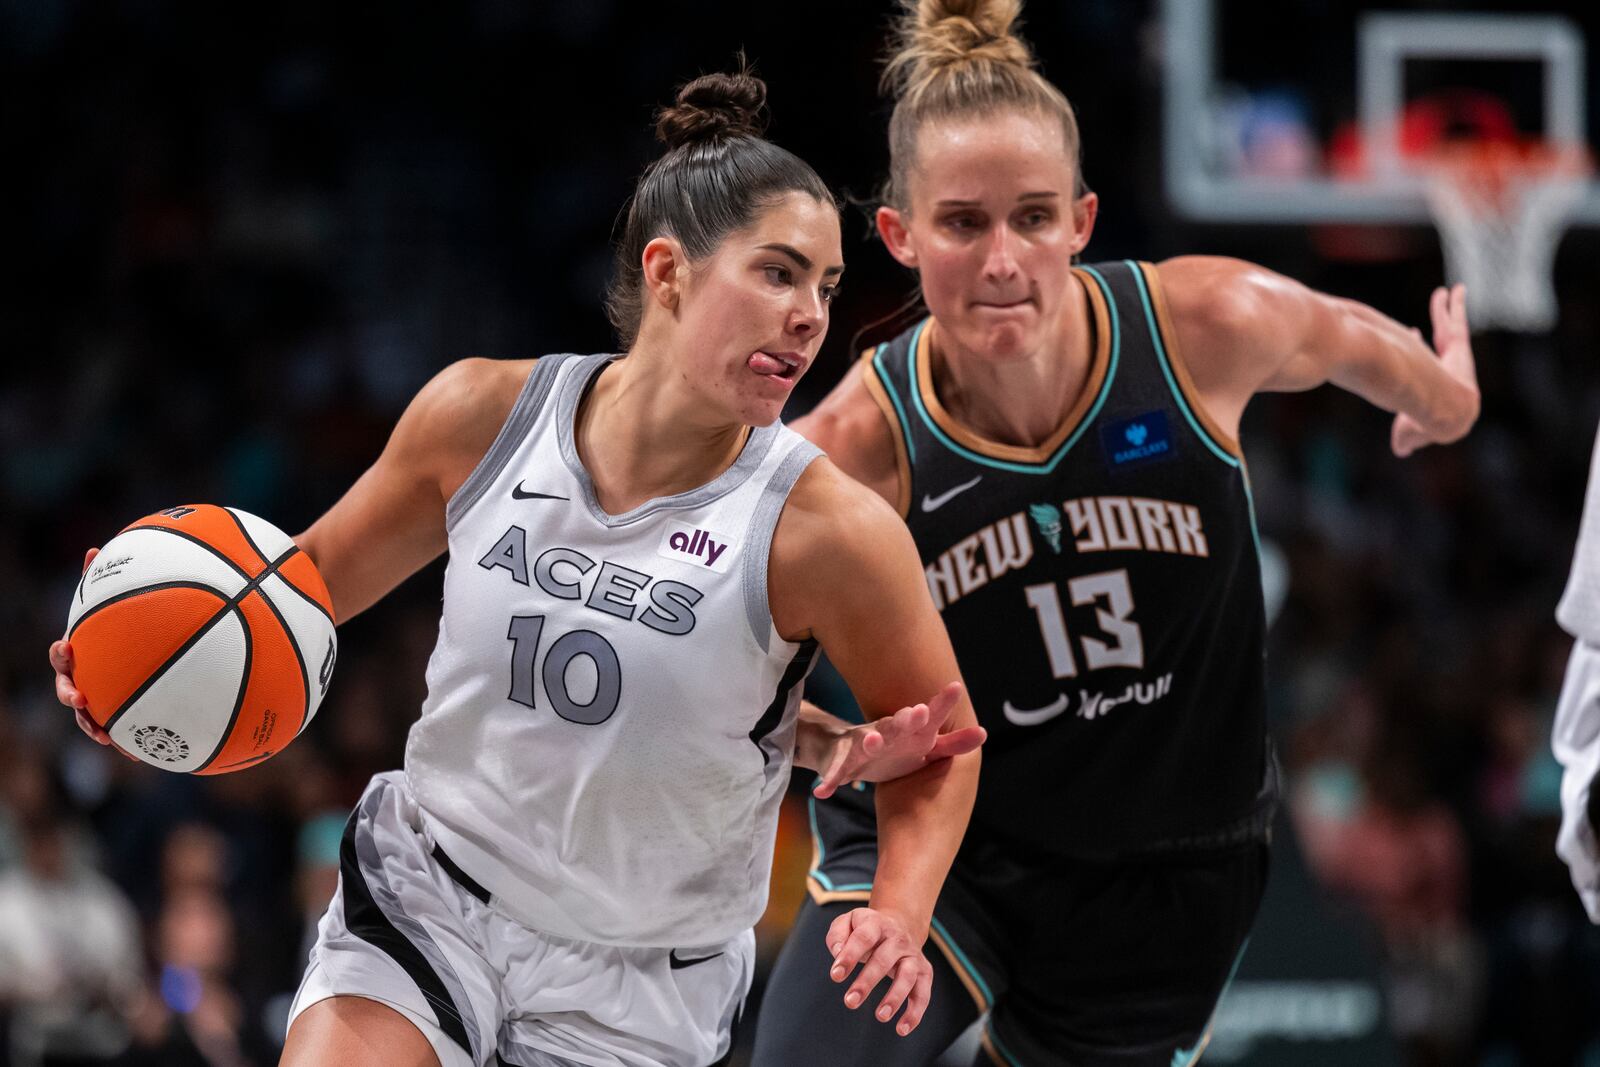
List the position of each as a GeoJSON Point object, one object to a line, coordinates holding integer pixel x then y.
{"type": "Point", "coordinates": [1243, 329]}
{"type": "Point", "coordinates": [844, 570]}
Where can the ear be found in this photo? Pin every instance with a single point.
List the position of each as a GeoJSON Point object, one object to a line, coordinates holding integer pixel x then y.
{"type": "Point", "coordinates": [1084, 211]}
{"type": "Point", "coordinates": [896, 237]}
{"type": "Point", "coordinates": [662, 263]}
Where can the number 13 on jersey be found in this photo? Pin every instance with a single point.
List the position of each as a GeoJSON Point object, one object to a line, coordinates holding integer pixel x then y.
{"type": "Point", "coordinates": [1114, 597]}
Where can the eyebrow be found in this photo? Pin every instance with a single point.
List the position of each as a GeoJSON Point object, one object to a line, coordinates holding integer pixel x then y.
{"type": "Point", "coordinates": [799, 257]}
{"type": "Point", "coordinates": [1041, 195]}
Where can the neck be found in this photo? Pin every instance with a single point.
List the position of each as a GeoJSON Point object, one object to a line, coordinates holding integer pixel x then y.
{"type": "Point", "coordinates": [1020, 401]}
{"type": "Point", "coordinates": [641, 434]}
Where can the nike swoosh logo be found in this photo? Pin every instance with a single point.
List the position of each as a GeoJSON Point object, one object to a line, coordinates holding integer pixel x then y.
{"type": "Point", "coordinates": [934, 503]}
{"type": "Point", "coordinates": [1034, 716]}
{"type": "Point", "coordinates": [520, 493]}
{"type": "Point", "coordinates": [679, 964]}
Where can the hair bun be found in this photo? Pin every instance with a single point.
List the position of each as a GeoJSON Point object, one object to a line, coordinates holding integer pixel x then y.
{"type": "Point", "coordinates": [712, 106]}
{"type": "Point", "coordinates": [934, 35]}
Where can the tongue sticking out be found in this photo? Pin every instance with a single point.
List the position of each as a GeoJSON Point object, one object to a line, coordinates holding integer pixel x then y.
{"type": "Point", "coordinates": [762, 363]}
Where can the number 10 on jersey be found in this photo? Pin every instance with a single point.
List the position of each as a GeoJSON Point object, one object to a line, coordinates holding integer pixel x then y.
{"type": "Point", "coordinates": [1110, 591]}
{"type": "Point", "coordinates": [525, 634]}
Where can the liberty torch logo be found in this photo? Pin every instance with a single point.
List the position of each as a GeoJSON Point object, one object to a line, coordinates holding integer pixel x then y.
{"type": "Point", "coordinates": [1047, 517]}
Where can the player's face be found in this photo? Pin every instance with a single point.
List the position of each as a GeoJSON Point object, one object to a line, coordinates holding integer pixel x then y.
{"type": "Point", "coordinates": [992, 228]}
{"type": "Point", "coordinates": [757, 308]}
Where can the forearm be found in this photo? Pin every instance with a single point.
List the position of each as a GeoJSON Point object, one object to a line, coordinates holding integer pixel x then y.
{"type": "Point", "coordinates": [815, 734]}
{"type": "Point", "coordinates": [921, 821]}
{"type": "Point", "coordinates": [1391, 366]}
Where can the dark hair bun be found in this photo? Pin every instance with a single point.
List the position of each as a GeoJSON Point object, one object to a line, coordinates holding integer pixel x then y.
{"type": "Point", "coordinates": [712, 106]}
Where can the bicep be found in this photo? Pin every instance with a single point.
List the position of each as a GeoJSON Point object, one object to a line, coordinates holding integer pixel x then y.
{"type": "Point", "coordinates": [879, 627]}
{"type": "Point", "coordinates": [386, 527]}
{"type": "Point", "coordinates": [391, 523]}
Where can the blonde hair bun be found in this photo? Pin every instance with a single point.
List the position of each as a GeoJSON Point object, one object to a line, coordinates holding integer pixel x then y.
{"type": "Point", "coordinates": [932, 36]}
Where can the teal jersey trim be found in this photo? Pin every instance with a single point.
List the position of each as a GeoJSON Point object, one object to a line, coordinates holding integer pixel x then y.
{"type": "Point", "coordinates": [1166, 369]}
{"type": "Point", "coordinates": [1000, 1046]}
{"type": "Point", "coordinates": [1183, 405]}
{"type": "Point", "coordinates": [894, 398]}
{"type": "Point", "coordinates": [983, 987]}
{"type": "Point", "coordinates": [816, 872]}
{"type": "Point", "coordinates": [1049, 465]}
{"type": "Point", "coordinates": [1185, 1056]}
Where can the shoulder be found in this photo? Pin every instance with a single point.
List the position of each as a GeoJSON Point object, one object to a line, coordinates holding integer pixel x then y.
{"type": "Point", "coordinates": [852, 427]}
{"type": "Point", "coordinates": [1232, 318]}
{"type": "Point", "coordinates": [831, 542]}
{"type": "Point", "coordinates": [1217, 294]}
{"type": "Point", "coordinates": [455, 417]}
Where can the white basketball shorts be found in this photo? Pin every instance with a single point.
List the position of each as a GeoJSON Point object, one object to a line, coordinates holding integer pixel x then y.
{"type": "Point", "coordinates": [409, 929]}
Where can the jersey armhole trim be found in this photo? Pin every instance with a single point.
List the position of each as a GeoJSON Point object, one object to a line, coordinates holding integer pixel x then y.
{"type": "Point", "coordinates": [899, 432]}
{"type": "Point", "coordinates": [1159, 318]}
{"type": "Point", "coordinates": [758, 538]}
{"type": "Point", "coordinates": [512, 432]}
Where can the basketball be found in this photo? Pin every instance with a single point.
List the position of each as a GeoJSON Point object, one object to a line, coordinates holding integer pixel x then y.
{"type": "Point", "coordinates": [204, 639]}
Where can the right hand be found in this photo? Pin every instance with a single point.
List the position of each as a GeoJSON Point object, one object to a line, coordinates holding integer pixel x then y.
{"type": "Point", "coordinates": [61, 661]}
{"type": "Point", "coordinates": [1452, 343]}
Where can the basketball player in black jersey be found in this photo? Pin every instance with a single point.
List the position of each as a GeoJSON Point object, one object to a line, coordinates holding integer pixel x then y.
{"type": "Point", "coordinates": [1063, 443]}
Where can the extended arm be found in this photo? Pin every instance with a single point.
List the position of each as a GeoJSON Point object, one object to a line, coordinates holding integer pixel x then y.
{"type": "Point", "coordinates": [1243, 329]}
{"type": "Point", "coordinates": [391, 522]}
{"type": "Point", "coordinates": [844, 570]}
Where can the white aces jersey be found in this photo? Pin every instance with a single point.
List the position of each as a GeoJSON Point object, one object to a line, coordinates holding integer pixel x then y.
{"type": "Point", "coordinates": [610, 717]}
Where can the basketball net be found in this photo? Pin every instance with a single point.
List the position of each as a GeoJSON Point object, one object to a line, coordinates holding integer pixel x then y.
{"type": "Point", "coordinates": [1501, 209]}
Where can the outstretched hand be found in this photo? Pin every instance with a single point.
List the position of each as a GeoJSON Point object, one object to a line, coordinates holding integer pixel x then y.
{"type": "Point", "coordinates": [898, 744]}
{"type": "Point", "coordinates": [1453, 343]}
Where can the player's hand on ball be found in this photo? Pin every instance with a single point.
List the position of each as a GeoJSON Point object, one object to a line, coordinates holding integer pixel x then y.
{"type": "Point", "coordinates": [882, 943]}
{"type": "Point", "coordinates": [1452, 341]}
{"type": "Point", "coordinates": [66, 692]}
{"type": "Point", "coordinates": [898, 744]}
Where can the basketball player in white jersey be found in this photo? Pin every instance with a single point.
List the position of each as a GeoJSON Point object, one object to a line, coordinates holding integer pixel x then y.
{"type": "Point", "coordinates": [643, 565]}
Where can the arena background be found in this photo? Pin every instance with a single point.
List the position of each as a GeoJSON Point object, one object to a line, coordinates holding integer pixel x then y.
{"type": "Point", "coordinates": [238, 239]}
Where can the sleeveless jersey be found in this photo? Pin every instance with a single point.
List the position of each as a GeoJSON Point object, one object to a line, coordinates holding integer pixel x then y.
{"type": "Point", "coordinates": [610, 715]}
{"type": "Point", "coordinates": [1102, 592]}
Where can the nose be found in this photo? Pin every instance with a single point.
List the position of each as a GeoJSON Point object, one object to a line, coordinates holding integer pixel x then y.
{"type": "Point", "coordinates": [1000, 260]}
{"type": "Point", "coordinates": [808, 314]}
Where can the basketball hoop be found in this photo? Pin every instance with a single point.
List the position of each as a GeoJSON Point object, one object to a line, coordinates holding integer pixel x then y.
{"type": "Point", "coordinates": [1501, 208]}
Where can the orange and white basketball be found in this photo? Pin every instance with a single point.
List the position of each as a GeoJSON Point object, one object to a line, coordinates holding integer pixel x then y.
{"type": "Point", "coordinates": [203, 639]}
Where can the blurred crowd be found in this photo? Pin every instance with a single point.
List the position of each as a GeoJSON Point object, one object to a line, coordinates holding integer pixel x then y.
{"type": "Point", "coordinates": [237, 250]}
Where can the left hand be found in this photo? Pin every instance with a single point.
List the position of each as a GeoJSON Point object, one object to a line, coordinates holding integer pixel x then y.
{"type": "Point", "coordinates": [897, 744]}
{"type": "Point", "coordinates": [1453, 343]}
{"type": "Point", "coordinates": [883, 944]}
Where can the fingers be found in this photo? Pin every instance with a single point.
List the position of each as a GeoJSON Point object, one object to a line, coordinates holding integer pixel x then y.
{"type": "Point", "coordinates": [833, 776]}
{"type": "Point", "coordinates": [61, 657]}
{"type": "Point", "coordinates": [88, 726]}
{"type": "Point", "coordinates": [940, 707]}
{"type": "Point", "coordinates": [88, 557]}
{"type": "Point", "coordinates": [838, 930]}
{"type": "Point", "coordinates": [958, 743]}
{"type": "Point", "coordinates": [917, 1004]}
{"type": "Point", "coordinates": [856, 947]}
{"type": "Point", "coordinates": [905, 979]}
{"type": "Point", "coordinates": [884, 957]}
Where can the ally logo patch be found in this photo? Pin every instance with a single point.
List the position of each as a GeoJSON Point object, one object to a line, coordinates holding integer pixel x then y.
{"type": "Point", "coordinates": [697, 546]}
{"type": "Point", "coordinates": [1144, 438]}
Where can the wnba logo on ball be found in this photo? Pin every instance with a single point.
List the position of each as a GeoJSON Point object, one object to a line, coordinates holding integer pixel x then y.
{"type": "Point", "coordinates": [161, 744]}
{"type": "Point", "coordinates": [690, 544]}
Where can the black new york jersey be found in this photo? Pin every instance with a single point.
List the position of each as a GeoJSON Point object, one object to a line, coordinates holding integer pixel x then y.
{"type": "Point", "coordinates": [1102, 592]}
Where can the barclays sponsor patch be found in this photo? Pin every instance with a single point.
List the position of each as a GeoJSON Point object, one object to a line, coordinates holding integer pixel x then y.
{"type": "Point", "coordinates": [1144, 438]}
